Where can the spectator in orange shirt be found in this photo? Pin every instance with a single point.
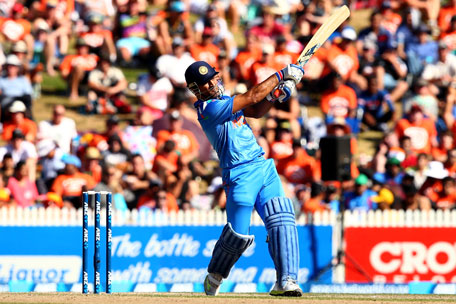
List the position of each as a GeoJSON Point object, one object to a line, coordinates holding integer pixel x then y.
{"type": "Point", "coordinates": [75, 68]}
{"type": "Point", "coordinates": [282, 147]}
{"type": "Point", "coordinates": [339, 100]}
{"type": "Point", "coordinates": [156, 198]}
{"type": "Point", "coordinates": [91, 163]}
{"type": "Point", "coordinates": [186, 142]}
{"type": "Point", "coordinates": [247, 57]}
{"type": "Point", "coordinates": [19, 121]}
{"type": "Point", "coordinates": [282, 56]}
{"type": "Point", "coordinates": [297, 168]}
{"type": "Point", "coordinates": [206, 50]}
{"type": "Point", "coordinates": [17, 27]}
{"type": "Point", "coordinates": [72, 183]}
{"type": "Point", "coordinates": [263, 68]}
{"type": "Point", "coordinates": [315, 203]}
{"type": "Point", "coordinates": [167, 160]}
{"type": "Point", "coordinates": [446, 143]}
{"type": "Point", "coordinates": [343, 58]}
{"type": "Point", "coordinates": [445, 15]}
{"type": "Point", "coordinates": [449, 36]}
{"type": "Point", "coordinates": [390, 20]}
{"type": "Point", "coordinates": [99, 39]}
{"type": "Point", "coordinates": [450, 164]}
{"type": "Point", "coordinates": [419, 128]}
{"type": "Point", "coordinates": [447, 196]}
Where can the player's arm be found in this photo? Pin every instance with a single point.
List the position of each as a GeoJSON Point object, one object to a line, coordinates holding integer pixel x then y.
{"type": "Point", "coordinates": [260, 91]}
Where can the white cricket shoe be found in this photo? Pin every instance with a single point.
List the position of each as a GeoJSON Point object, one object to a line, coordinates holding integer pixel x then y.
{"type": "Point", "coordinates": [212, 284]}
{"type": "Point", "coordinates": [290, 289]}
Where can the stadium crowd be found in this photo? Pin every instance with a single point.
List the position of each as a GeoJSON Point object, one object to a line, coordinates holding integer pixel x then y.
{"type": "Point", "coordinates": [395, 78]}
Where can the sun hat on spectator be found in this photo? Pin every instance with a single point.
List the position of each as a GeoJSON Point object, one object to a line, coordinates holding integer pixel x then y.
{"type": "Point", "coordinates": [178, 41]}
{"type": "Point", "coordinates": [13, 60]}
{"type": "Point", "coordinates": [379, 178]}
{"type": "Point", "coordinates": [216, 183]}
{"type": "Point", "coordinates": [17, 133]}
{"type": "Point", "coordinates": [177, 6]}
{"type": "Point", "coordinates": [17, 107]}
{"type": "Point", "coordinates": [393, 161]}
{"type": "Point", "coordinates": [436, 170]}
{"type": "Point", "coordinates": [17, 8]}
{"type": "Point", "coordinates": [70, 159]}
{"type": "Point", "coordinates": [268, 49]}
{"type": "Point", "coordinates": [348, 33]}
{"type": "Point", "coordinates": [45, 146]}
{"type": "Point", "coordinates": [278, 7]}
{"type": "Point", "coordinates": [41, 25]}
{"type": "Point", "coordinates": [19, 47]}
{"type": "Point", "coordinates": [362, 180]}
{"type": "Point", "coordinates": [338, 122]}
{"type": "Point", "coordinates": [92, 153]}
{"type": "Point", "coordinates": [384, 196]}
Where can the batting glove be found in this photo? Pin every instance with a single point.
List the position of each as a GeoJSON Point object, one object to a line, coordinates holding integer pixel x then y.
{"type": "Point", "coordinates": [282, 92]}
{"type": "Point", "coordinates": [290, 72]}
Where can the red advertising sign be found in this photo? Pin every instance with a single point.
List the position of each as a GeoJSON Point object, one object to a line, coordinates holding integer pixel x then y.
{"type": "Point", "coordinates": [400, 255]}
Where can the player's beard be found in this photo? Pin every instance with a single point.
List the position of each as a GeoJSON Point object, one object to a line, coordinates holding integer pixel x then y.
{"type": "Point", "coordinates": [215, 92]}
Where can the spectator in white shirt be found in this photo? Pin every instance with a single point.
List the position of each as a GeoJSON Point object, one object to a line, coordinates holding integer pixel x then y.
{"type": "Point", "coordinates": [59, 128]}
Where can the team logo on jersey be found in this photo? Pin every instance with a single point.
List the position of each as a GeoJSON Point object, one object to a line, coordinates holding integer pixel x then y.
{"type": "Point", "coordinates": [203, 70]}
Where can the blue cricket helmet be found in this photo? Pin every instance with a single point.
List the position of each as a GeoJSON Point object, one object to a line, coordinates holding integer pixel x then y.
{"type": "Point", "coordinates": [199, 73]}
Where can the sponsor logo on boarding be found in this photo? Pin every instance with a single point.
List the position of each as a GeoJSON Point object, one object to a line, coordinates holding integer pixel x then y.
{"type": "Point", "coordinates": [40, 268]}
{"type": "Point", "coordinates": [401, 255]}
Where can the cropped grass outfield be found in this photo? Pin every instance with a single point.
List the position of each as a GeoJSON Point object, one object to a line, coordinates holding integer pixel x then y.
{"type": "Point", "coordinates": [228, 298]}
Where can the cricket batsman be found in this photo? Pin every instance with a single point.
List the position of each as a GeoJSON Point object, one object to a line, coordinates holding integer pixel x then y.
{"type": "Point", "coordinates": [249, 179]}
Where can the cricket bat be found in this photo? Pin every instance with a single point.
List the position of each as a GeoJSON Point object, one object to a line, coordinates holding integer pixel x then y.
{"type": "Point", "coordinates": [320, 37]}
{"type": "Point", "coordinates": [323, 33]}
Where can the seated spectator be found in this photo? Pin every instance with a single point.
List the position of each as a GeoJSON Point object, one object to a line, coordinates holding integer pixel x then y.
{"type": "Point", "coordinates": [423, 96]}
{"type": "Point", "coordinates": [412, 199]}
{"type": "Point", "coordinates": [154, 92]}
{"type": "Point", "coordinates": [22, 189]}
{"type": "Point", "coordinates": [297, 168]}
{"type": "Point", "coordinates": [133, 32]}
{"type": "Point", "coordinates": [106, 89]}
{"type": "Point", "coordinates": [21, 150]}
{"type": "Point", "coordinates": [111, 181]}
{"type": "Point", "coordinates": [375, 34]}
{"type": "Point", "coordinates": [186, 143]}
{"type": "Point", "coordinates": [206, 50]}
{"type": "Point", "coordinates": [392, 71]}
{"type": "Point", "coordinates": [19, 121]}
{"type": "Point", "coordinates": [410, 157]}
{"type": "Point", "coordinates": [156, 198]}
{"type": "Point", "coordinates": [60, 128]}
{"type": "Point", "coordinates": [393, 174]}
{"type": "Point", "coordinates": [361, 197]}
{"type": "Point", "coordinates": [137, 179]}
{"type": "Point", "coordinates": [446, 199]}
{"type": "Point", "coordinates": [175, 21]}
{"type": "Point", "coordinates": [443, 72]}
{"type": "Point", "coordinates": [448, 36]}
{"type": "Point", "coordinates": [263, 68]}
{"type": "Point", "coordinates": [167, 160]}
{"type": "Point", "coordinates": [435, 173]}
{"type": "Point", "coordinates": [99, 39]}
{"type": "Point", "coordinates": [50, 161]}
{"type": "Point", "coordinates": [315, 202]}
{"type": "Point", "coordinates": [406, 33]}
{"type": "Point", "coordinates": [217, 190]}
{"type": "Point", "coordinates": [281, 147]}
{"type": "Point", "coordinates": [446, 143]}
{"type": "Point", "coordinates": [116, 154]}
{"type": "Point", "coordinates": [343, 59]}
{"type": "Point", "coordinates": [384, 199]}
{"type": "Point", "coordinates": [445, 15]}
{"type": "Point", "coordinates": [420, 174]}
{"type": "Point", "coordinates": [75, 68]}
{"type": "Point", "coordinates": [7, 166]}
{"type": "Point", "coordinates": [173, 65]}
{"type": "Point", "coordinates": [269, 28]}
{"type": "Point", "coordinates": [138, 138]}
{"type": "Point", "coordinates": [91, 163]}
{"type": "Point", "coordinates": [246, 57]}
{"type": "Point", "coordinates": [30, 70]}
{"type": "Point", "coordinates": [6, 199]}
{"type": "Point", "coordinates": [423, 52]}
{"type": "Point", "coordinates": [419, 128]}
{"type": "Point", "coordinates": [450, 163]}
{"type": "Point", "coordinates": [15, 87]}
{"type": "Point", "coordinates": [72, 183]}
{"type": "Point", "coordinates": [378, 109]}
{"type": "Point", "coordinates": [338, 100]}
{"type": "Point", "coordinates": [16, 27]}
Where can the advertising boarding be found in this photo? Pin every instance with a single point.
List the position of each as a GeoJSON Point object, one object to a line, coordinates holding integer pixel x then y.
{"type": "Point", "coordinates": [160, 255]}
{"type": "Point", "coordinates": [400, 255]}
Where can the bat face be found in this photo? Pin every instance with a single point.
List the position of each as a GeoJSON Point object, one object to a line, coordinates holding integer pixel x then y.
{"type": "Point", "coordinates": [323, 33]}
{"type": "Point", "coordinates": [309, 53]}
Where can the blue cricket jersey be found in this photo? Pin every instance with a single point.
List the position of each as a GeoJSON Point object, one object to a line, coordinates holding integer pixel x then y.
{"type": "Point", "coordinates": [229, 134]}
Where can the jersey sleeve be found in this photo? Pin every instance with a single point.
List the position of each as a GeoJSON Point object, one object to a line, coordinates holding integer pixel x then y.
{"type": "Point", "coordinates": [217, 111]}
